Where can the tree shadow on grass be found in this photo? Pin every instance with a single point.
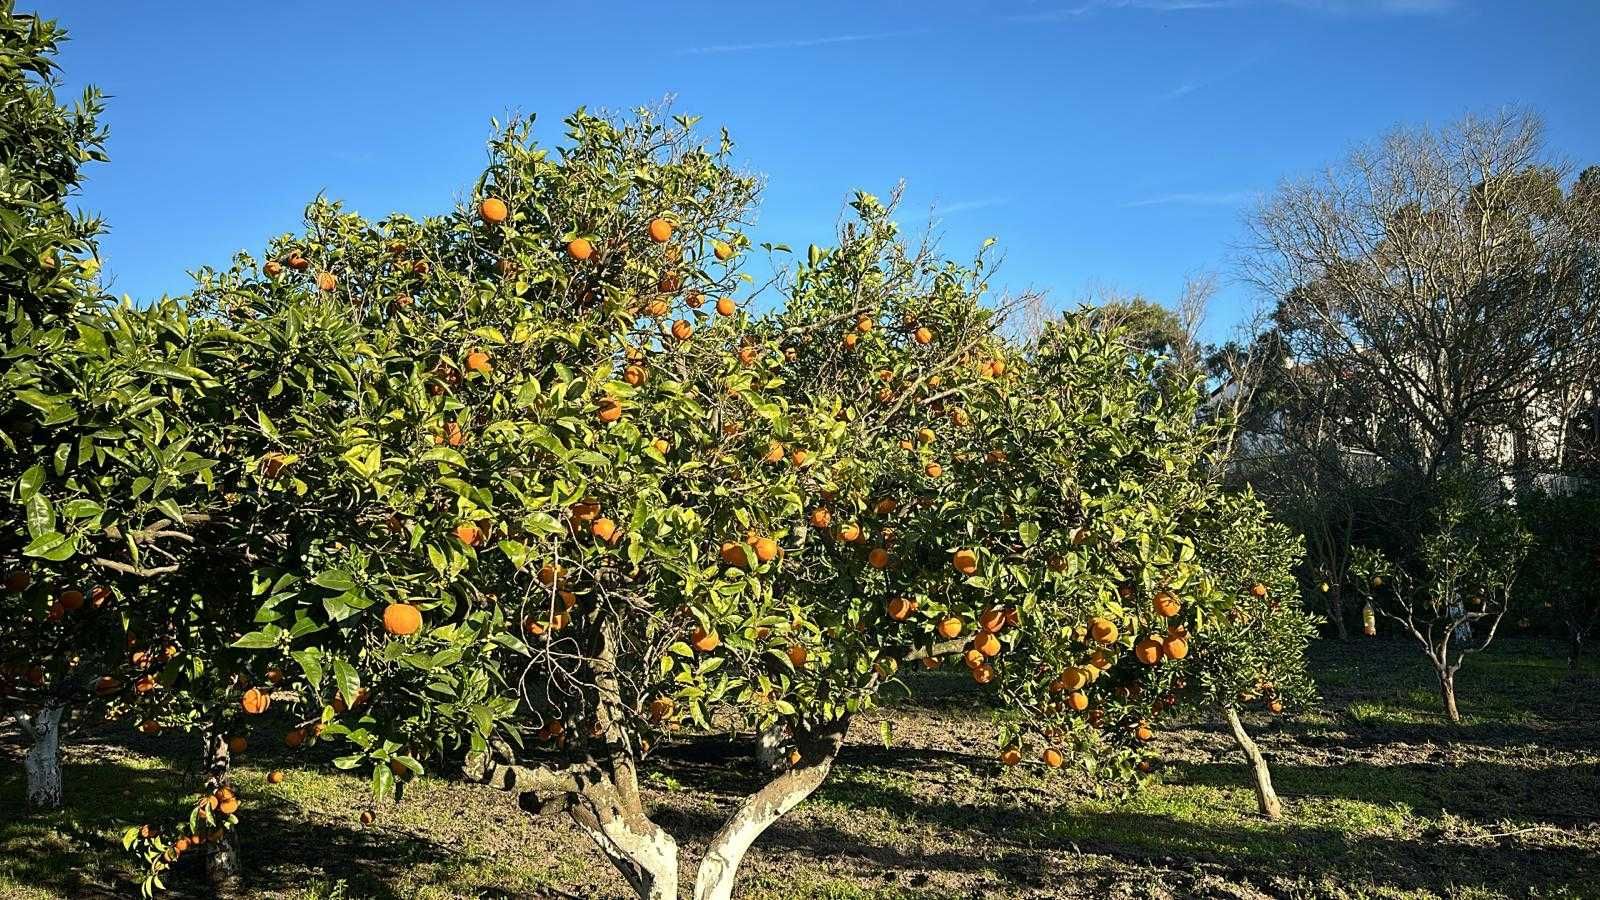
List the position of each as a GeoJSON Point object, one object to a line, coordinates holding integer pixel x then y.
{"type": "Point", "coordinates": [77, 852]}
{"type": "Point", "coordinates": [1484, 792]}
{"type": "Point", "coordinates": [1028, 839]}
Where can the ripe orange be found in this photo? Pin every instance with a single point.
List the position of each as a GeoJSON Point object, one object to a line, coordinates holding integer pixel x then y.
{"type": "Point", "coordinates": [1166, 604]}
{"type": "Point", "coordinates": [661, 709]}
{"type": "Point", "coordinates": [478, 361]}
{"type": "Point", "coordinates": [1010, 756]}
{"type": "Point", "coordinates": [682, 330]}
{"type": "Point", "coordinates": [580, 249]}
{"type": "Point", "coordinates": [294, 738]}
{"type": "Point", "coordinates": [821, 518]}
{"type": "Point", "coordinates": [367, 817]}
{"type": "Point", "coordinates": [493, 210]}
{"type": "Point", "coordinates": [634, 375]}
{"type": "Point", "coordinates": [987, 644]}
{"type": "Point", "coordinates": [1258, 591]}
{"type": "Point", "coordinates": [402, 619]}
{"type": "Point", "coordinates": [923, 335]}
{"type": "Point", "coordinates": [660, 230]}
{"type": "Point", "coordinates": [992, 620]}
{"type": "Point", "coordinates": [326, 281]}
{"type": "Point", "coordinates": [1147, 651]}
{"type": "Point", "coordinates": [925, 436]}
{"type": "Point", "coordinates": [949, 627]}
{"type": "Point", "coordinates": [1074, 679]}
{"type": "Point", "coordinates": [1053, 758]}
{"type": "Point", "coordinates": [661, 446]}
{"type": "Point", "coordinates": [774, 453]}
{"type": "Point", "coordinates": [608, 411]}
{"type": "Point", "coordinates": [468, 533]}
{"type": "Point", "coordinates": [722, 251]}
{"type": "Point", "coordinates": [1102, 630]}
{"type": "Point", "coordinates": [885, 506]}
{"type": "Point", "coordinates": [275, 777]}
{"type": "Point", "coordinates": [606, 530]}
{"type": "Point", "coordinates": [1078, 700]}
{"type": "Point", "coordinates": [983, 674]}
{"type": "Point", "coordinates": [797, 656]}
{"type": "Point", "coordinates": [1276, 705]}
{"type": "Point", "coordinates": [657, 308]}
{"type": "Point", "coordinates": [705, 641]}
{"type": "Point", "coordinates": [1143, 732]}
{"type": "Point", "coordinates": [972, 658]}
{"type": "Point", "coordinates": [899, 608]}
{"type": "Point", "coordinates": [766, 549]}
{"type": "Point", "coordinates": [1174, 646]}
{"type": "Point", "coordinates": [863, 324]}
{"type": "Point", "coordinates": [726, 307]}
{"type": "Point", "coordinates": [150, 726]}
{"type": "Point", "coordinates": [237, 744]}
{"type": "Point", "coordinates": [799, 458]}
{"type": "Point", "coordinates": [934, 470]}
{"type": "Point", "coordinates": [965, 561]}
{"type": "Point", "coordinates": [850, 532]}
{"type": "Point", "coordinates": [255, 701]}
{"type": "Point", "coordinates": [850, 340]}
{"type": "Point", "coordinates": [878, 558]}
{"type": "Point", "coordinates": [298, 263]}
{"type": "Point", "coordinates": [273, 268]}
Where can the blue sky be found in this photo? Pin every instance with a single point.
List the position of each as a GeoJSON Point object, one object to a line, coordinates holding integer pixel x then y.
{"type": "Point", "coordinates": [1107, 143]}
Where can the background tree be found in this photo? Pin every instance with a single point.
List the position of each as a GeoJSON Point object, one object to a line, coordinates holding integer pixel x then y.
{"type": "Point", "coordinates": [1563, 568]}
{"type": "Point", "coordinates": [1448, 277]}
{"type": "Point", "coordinates": [1453, 592]}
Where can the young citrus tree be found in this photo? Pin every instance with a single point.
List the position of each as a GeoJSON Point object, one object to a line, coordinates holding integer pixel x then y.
{"type": "Point", "coordinates": [1256, 653]}
{"type": "Point", "coordinates": [1453, 592]}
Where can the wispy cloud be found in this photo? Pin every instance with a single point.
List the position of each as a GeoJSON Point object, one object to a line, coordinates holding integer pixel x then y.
{"type": "Point", "coordinates": [1333, 7]}
{"type": "Point", "coordinates": [1198, 198]}
{"type": "Point", "coordinates": [796, 43]}
{"type": "Point", "coordinates": [1214, 76]}
{"type": "Point", "coordinates": [961, 206]}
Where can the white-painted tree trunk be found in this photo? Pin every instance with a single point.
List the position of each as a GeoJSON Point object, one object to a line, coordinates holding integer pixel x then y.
{"type": "Point", "coordinates": [43, 761]}
{"type": "Point", "coordinates": [720, 866]}
{"type": "Point", "coordinates": [1266, 796]}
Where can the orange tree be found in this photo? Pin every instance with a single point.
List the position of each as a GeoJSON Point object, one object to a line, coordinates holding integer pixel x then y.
{"type": "Point", "coordinates": [1255, 653]}
{"type": "Point", "coordinates": [526, 486]}
{"type": "Point", "coordinates": [106, 486]}
{"type": "Point", "coordinates": [509, 470]}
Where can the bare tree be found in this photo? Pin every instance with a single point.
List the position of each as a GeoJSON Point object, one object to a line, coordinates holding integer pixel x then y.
{"type": "Point", "coordinates": [1449, 274]}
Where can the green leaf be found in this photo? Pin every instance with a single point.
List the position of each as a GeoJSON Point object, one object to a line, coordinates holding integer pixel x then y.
{"type": "Point", "coordinates": [255, 640]}
{"type": "Point", "coordinates": [346, 680]}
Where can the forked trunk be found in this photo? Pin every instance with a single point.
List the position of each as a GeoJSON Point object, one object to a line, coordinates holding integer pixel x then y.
{"type": "Point", "coordinates": [1266, 797]}
{"type": "Point", "coordinates": [222, 856]}
{"type": "Point", "coordinates": [43, 761]}
{"type": "Point", "coordinates": [609, 812]}
{"type": "Point", "coordinates": [1447, 690]}
{"type": "Point", "coordinates": [718, 869]}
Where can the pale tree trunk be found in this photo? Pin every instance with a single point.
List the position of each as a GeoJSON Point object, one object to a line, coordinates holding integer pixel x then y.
{"type": "Point", "coordinates": [818, 749]}
{"type": "Point", "coordinates": [43, 760]}
{"type": "Point", "coordinates": [222, 857]}
{"type": "Point", "coordinates": [1447, 691]}
{"type": "Point", "coordinates": [1266, 797]}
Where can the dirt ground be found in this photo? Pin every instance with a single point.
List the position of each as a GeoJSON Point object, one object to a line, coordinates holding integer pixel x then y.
{"type": "Point", "coordinates": [1383, 799]}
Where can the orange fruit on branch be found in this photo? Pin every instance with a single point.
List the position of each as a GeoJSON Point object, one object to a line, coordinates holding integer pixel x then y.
{"type": "Point", "coordinates": [580, 249]}
{"type": "Point", "coordinates": [704, 641]}
{"type": "Point", "coordinates": [326, 281]}
{"type": "Point", "coordinates": [1147, 650]}
{"type": "Point", "coordinates": [402, 619]}
{"type": "Point", "coordinates": [899, 608]}
{"type": "Point", "coordinates": [949, 627]}
{"type": "Point", "coordinates": [1102, 630]}
{"type": "Point", "coordinates": [1166, 604]}
{"type": "Point", "coordinates": [965, 561]}
{"type": "Point", "coordinates": [493, 210]}
{"type": "Point", "coordinates": [660, 230]}
{"type": "Point", "coordinates": [255, 701]}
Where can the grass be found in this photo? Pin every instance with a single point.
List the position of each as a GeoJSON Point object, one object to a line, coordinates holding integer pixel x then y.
{"type": "Point", "coordinates": [1383, 800]}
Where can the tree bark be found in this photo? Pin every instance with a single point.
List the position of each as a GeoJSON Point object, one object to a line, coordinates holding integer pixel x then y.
{"type": "Point", "coordinates": [222, 856]}
{"type": "Point", "coordinates": [1336, 612]}
{"type": "Point", "coordinates": [718, 869]}
{"type": "Point", "coordinates": [769, 747]}
{"type": "Point", "coordinates": [43, 760]}
{"type": "Point", "coordinates": [1574, 650]}
{"type": "Point", "coordinates": [1266, 796]}
{"type": "Point", "coordinates": [1447, 690]}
